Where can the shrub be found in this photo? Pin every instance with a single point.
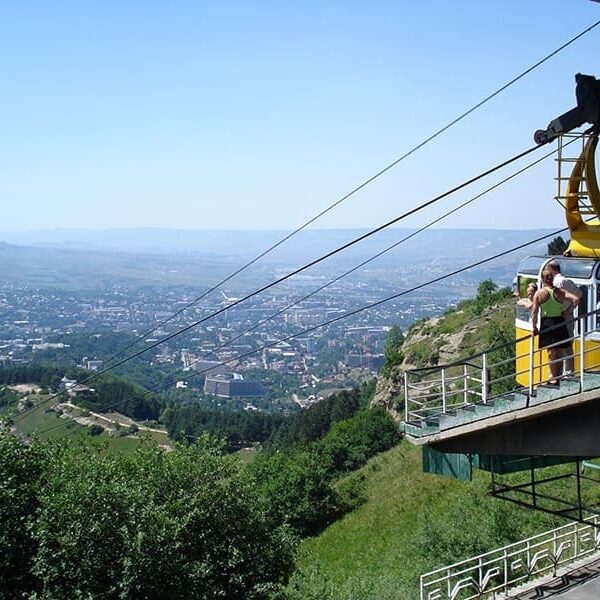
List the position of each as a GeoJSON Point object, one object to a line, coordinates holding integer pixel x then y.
{"type": "Point", "coordinates": [95, 429]}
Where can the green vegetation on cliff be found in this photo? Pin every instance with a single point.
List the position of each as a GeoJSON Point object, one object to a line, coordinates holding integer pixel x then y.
{"type": "Point", "coordinates": [477, 324]}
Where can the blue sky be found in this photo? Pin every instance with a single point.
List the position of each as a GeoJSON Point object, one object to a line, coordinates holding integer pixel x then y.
{"type": "Point", "coordinates": [257, 115]}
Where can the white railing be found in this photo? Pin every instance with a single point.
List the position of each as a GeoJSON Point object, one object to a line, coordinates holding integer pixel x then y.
{"type": "Point", "coordinates": [485, 575]}
{"type": "Point", "coordinates": [433, 391]}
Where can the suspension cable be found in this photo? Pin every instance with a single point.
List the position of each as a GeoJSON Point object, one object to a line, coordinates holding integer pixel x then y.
{"type": "Point", "coordinates": [365, 262]}
{"type": "Point", "coordinates": [310, 264]}
{"type": "Point", "coordinates": [359, 187]}
{"type": "Point", "coordinates": [356, 311]}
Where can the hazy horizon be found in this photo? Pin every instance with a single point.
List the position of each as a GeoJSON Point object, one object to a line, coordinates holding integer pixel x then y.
{"type": "Point", "coordinates": [257, 116]}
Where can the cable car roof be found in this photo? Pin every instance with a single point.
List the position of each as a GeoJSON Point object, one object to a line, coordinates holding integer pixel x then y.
{"type": "Point", "coordinates": [578, 268]}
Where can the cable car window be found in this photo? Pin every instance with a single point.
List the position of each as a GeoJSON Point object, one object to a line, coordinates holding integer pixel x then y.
{"type": "Point", "coordinates": [523, 307]}
{"type": "Point", "coordinates": [576, 269]}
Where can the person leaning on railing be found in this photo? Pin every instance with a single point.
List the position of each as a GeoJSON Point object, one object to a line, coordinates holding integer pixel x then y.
{"type": "Point", "coordinates": [562, 282]}
{"type": "Point", "coordinates": [527, 302]}
{"type": "Point", "coordinates": [553, 331]}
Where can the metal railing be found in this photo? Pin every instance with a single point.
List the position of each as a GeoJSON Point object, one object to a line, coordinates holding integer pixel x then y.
{"type": "Point", "coordinates": [433, 391]}
{"type": "Point", "coordinates": [485, 575]}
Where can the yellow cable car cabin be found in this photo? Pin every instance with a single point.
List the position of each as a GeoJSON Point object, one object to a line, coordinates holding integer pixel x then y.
{"type": "Point", "coordinates": [585, 273]}
{"type": "Point", "coordinates": [581, 264]}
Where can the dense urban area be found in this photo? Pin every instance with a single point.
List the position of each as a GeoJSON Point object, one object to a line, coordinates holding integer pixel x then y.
{"type": "Point", "coordinates": [236, 355]}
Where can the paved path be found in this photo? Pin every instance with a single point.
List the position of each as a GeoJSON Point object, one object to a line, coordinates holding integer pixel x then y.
{"type": "Point", "coordinates": [590, 590]}
{"type": "Point", "coordinates": [581, 583]}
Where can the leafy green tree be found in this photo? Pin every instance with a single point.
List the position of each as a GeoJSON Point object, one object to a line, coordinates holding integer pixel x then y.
{"type": "Point", "coordinates": [7, 397]}
{"type": "Point", "coordinates": [22, 469]}
{"type": "Point", "coordinates": [488, 294]}
{"type": "Point", "coordinates": [557, 246]}
{"type": "Point", "coordinates": [351, 443]}
{"type": "Point", "coordinates": [176, 525]}
{"type": "Point", "coordinates": [78, 523]}
{"type": "Point", "coordinates": [299, 483]}
{"type": "Point", "coordinates": [313, 423]}
{"type": "Point", "coordinates": [297, 487]}
{"type": "Point", "coordinates": [95, 429]}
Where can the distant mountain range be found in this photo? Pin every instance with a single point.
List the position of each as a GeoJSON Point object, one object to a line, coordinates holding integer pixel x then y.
{"type": "Point", "coordinates": [75, 258]}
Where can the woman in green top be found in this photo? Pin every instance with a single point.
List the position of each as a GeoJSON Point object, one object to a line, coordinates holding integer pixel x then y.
{"type": "Point", "coordinates": [553, 329]}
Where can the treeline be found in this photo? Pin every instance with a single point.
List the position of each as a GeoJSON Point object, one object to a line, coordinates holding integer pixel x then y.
{"type": "Point", "coordinates": [237, 428]}
{"type": "Point", "coordinates": [314, 422]}
{"type": "Point", "coordinates": [109, 392]}
{"type": "Point", "coordinates": [244, 428]}
{"type": "Point", "coordinates": [42, 375]}
{"type": "Point", "coordinates": [113, 393]}
{"type": "Point", "coordinates": [191, 523]}
{"type": "Point", "coordinates": [188, 422]}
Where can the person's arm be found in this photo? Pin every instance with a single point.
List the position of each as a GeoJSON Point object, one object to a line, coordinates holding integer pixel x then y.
{"type": "Point", "coordinates": [535, 309]}
{"type": "Point", "coordinates": [525, 303]}
{"type": "Point", "coordinates": [573, 299]}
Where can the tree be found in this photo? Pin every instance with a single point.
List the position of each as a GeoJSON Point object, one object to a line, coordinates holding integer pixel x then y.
{"type": "Point", "coordinates": [557, 246]}
{"type": "Point", "coordinates": [78, 523]}
{"type": "Point", "coordinates": [22, 470]}
{"type": "Point", "coordinates": [297, 488]}
{"type": "Point", "coordinates": [393, 349]}
{"type": "Point", "coordinates": [487, 294]}
{"type": "Point", "coordinates": [486, 288]}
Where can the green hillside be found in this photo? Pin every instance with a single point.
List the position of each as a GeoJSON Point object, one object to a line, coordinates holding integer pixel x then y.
{"type": "Point", "coordinates": [364, 533]}
{"type": "Point", "coordinates": [410, 523]}
{"type": "Point", "coordinates": [474, 325]}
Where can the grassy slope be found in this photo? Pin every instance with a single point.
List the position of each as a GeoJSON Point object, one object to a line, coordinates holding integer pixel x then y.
{"type": "Point", "coordinates": [374, 552]}
{"type": "Point", "coordinates": [430, 334]}
{"type": "Point", "coordinates": [369, 551]}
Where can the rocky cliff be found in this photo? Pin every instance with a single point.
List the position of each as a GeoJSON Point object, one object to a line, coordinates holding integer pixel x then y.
{"type": "Point", "coordinates": [457, 334]}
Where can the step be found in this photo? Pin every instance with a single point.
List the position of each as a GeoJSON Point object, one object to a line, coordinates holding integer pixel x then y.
{"type": "Point", "coordinates": [480, 411]}
{"type": "Point", "coordinates": [547, 394]}
{"type": "Point", "coordinates": [470, 413]}
{"type": "Point", "coordinates": [591, 381]}
{"type": "Point", "coordinates": [418, 429]}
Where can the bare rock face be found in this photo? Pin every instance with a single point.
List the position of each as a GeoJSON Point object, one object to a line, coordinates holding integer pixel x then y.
{"type": "Point", "coordinates": [389, 393]}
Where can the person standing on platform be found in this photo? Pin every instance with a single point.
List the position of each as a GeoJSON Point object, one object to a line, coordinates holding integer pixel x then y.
{"type": "Point", "coordinates": [563, 283]}
{"type": "Point", "coordinates": [553, 330]}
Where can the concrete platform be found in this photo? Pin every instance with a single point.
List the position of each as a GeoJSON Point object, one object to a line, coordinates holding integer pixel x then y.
{"type": "Point", "coordinates": [566, 426]}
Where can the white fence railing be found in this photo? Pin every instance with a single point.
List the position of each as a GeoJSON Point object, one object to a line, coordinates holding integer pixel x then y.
{"type": "Point", "coordinates": [432, 391]}
{"type": "Point", "coordinates": [487, 575]}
